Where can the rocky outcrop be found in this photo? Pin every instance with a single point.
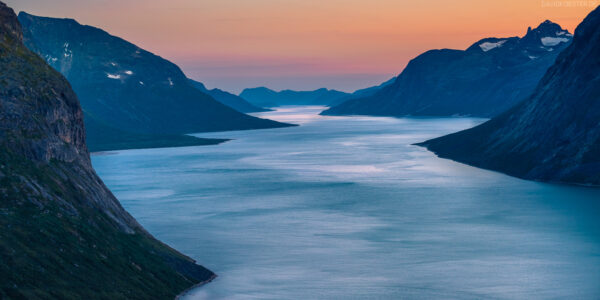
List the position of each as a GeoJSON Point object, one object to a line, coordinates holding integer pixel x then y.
{"type": "Point", "coordinates": [62, 232]}
{"type": "Point", "coordinates": [554, 135]}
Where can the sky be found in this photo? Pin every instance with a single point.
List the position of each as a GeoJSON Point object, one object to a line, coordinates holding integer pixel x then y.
{"type": "Point", "coordinates": [305, 44]}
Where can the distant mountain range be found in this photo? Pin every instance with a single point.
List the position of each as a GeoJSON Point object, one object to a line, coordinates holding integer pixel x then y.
{"type": "Point", "coordinates": [262, 96]}
{"type": "Point", "coordinates": [236, 102]}
{"type": "Point", "coordinates": [485, 80]}
{"type": "Point", "coordinates": [265, 97]}
{"type": "Point", "coordinates": [554, 135]}
{"type": "Point", "coordinates": [63, 234]}
{"type": "Point", "coordinates": [127, 88]}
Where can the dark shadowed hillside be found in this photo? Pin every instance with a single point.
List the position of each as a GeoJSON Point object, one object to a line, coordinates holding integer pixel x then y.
{"type": "Point", "coordinates": [105, 138]}
{"type": "Point", "coordinates": [554, 135]}
{"type": "Point", "coordinates": [126, 87]}
{"type": "Point", "coordinates": [63, 235]}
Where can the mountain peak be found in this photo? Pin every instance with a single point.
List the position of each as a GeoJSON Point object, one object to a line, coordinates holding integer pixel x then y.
{"type": "Point", "coordinates": [24, 15]}
{"type": "Point", "coordinates": [547, 29]}
{"type": "Point", "coordinates": [548, 26]}
{"type": "Point", "coordinates": [548, 34]}
{"type": "Point", "coordinates": [548, 22]}
{"type": "Point", "coordinates": [554, 134]}
{"type": "Point", "coordinates": [10, 29]}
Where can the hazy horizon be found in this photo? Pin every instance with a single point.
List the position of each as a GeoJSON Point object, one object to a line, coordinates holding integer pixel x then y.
{"type": "Point", "coordinates": [304, 45]}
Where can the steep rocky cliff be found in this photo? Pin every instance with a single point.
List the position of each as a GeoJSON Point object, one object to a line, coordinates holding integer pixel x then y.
{"type": "Point", "coordinates": [62, 233]}
{"type": "Point", "coordinates": [554, 135]}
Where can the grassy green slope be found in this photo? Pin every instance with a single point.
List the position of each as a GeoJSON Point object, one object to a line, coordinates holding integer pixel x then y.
{"type": "Point", "coordinates": [54, 246]}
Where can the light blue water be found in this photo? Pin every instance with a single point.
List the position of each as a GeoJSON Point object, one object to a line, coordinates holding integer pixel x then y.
{"type": "Point", "coordinates": [346, 208]}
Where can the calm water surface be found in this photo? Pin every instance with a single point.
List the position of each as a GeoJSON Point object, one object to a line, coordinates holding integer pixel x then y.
{"type": "Point", "coordinates": [346, 208]}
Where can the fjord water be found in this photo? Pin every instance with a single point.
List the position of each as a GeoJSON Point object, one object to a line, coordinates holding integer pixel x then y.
{"type": "Point", "coordinates": [347, 208]}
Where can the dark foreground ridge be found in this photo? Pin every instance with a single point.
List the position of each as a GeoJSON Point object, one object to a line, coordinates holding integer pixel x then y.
{"type": "Point", "coordinates": [554, 135]}
{"type": "Point", "coordinates": [63, 235]}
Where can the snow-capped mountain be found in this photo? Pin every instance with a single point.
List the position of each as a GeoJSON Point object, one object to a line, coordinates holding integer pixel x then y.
{"type": "Point", "coordinates": [554, 135]}
{"type": "Point", "coordinates": [484, 80]}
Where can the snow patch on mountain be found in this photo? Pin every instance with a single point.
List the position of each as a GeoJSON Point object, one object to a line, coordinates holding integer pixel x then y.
{"type": "Point", "coordinates": [50, 59]}
{"type": "Point", "coordinates": [67, 51]}
{"type": "Point", "coordinates": [564, 33]}
{"type": "Point", "coordinates": [487, 46]}
{"type": "Point", "coordinates": [553, 41]}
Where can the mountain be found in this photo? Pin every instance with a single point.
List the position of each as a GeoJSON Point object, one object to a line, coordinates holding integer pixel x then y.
{"type": "Point", "coordinates": [264, 97]}
{"type": "Point", "coordinates": [361, 93]}
{"type": "Point", "coordinates": [371, 90]}
{"type": "Point", "coordinates": [236, 102]}
{"type": "Point", "coordinates": [127, 87]}
{"type": "Point", "coordinates": [485, 80]}
{"type": "Point", "coordinates": [63, 235]}
{"type": "Point", "coordinates": [554, 135]}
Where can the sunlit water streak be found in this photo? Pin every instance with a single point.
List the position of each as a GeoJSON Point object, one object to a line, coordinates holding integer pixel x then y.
{"type": "Point", "coordinates": [346, 208]}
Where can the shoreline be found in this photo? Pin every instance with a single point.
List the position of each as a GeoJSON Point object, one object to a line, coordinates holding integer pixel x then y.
{"type": "Point", "coordinates": [174, 145]}
{"type": "Point", "coordinates": [197, 285]}
{"type": "Point", "coordinates": [563, 183]}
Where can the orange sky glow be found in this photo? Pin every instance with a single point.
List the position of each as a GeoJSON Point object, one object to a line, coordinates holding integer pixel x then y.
{"type": "Point", "coordinates": [305, 44]}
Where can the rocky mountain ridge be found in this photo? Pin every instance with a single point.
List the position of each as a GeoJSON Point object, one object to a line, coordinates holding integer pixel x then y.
{"type": "Point", "coordinates": [62, 232]}
{"type": "Point", "coordinates": [553, 135]}
{"type": "Point", "coordinates": [128, 88]}
{"type": "Point", "coordinates": [484, 80]}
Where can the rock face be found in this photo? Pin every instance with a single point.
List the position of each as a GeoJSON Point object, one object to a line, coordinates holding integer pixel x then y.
{"type": "Point", "coordinates": [63, 234]}
{"type": "Point", "coordinates": [264, 97]}
{"type": "Point", "coordinates": [126, 87]}
{"type": "Point", "coordinates": [236, 102]}
{"type": "Point", "coordinates": [554, 135]}
{"type": "Point", "coordinates": [485, 80]}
